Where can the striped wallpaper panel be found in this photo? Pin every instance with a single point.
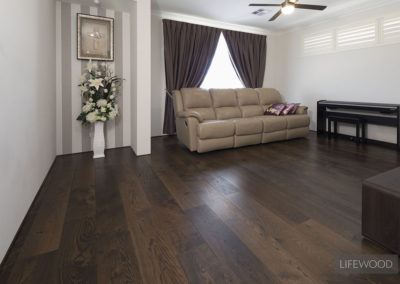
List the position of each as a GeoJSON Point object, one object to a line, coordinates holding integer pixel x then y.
{"type": "Point", "coordinates": [73, 137]}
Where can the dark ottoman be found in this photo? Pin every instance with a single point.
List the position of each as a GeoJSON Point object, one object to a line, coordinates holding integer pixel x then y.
{"type": "Point", "coordinates": [381, 209]}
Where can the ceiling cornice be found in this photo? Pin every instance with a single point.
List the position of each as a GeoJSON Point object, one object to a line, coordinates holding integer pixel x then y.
{"type": "Point", "coordinates": [209, 22]}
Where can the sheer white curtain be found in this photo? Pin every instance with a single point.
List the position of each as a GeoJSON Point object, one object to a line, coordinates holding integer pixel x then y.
{"type": "Point", "coordinates": [221, 74]}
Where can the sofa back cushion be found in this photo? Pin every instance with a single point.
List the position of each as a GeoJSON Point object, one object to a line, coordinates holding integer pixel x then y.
{"type": "Point", "coordinates": [247, 97]}
{"type": "Point", "coordinates": [269, 96]}
{"type": "Point", "coordinates": [225, 103]}
{"type": "Point", "coordinates": [198, 100]}
{"type": "Point", "coordinates": [224, 97]}
{"type": "Point", "coordinates": [249, 102]}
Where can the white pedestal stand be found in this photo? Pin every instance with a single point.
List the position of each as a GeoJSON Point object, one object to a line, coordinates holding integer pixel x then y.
{"type": "Point", "coordinates": [98, 140]}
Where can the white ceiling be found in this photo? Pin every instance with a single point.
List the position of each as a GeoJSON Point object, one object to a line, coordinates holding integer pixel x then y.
{"type": "Point", "coordinates": [238, 11]}
{"type": "Point", "coordinates": [117, 5]}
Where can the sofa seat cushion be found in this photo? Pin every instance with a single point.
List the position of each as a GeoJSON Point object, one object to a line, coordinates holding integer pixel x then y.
{"type": "Point", "coordinates": [216, 129]}
{"type": "Point", "coordinates": [297, 121]}
{"type": "Point", "coordinates": [272, 123]}
{"type": "Point", "coordinates": [227, 112]}
{"type": "Point", "coordinates": [248, 126]}
{"type": "Point", "coordinates": [251, 111]}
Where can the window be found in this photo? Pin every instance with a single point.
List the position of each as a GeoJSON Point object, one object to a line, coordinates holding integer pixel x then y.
{"type": "Point", "coordinates": [375, 32]}
{"type": "Point", "coordinates": [391, 30]}
{"type": "Point", "coordinates": [221, 74]}
{"type": "Point", "coordinates": [357, 35]}
{"type": "Point", "coordinates": [319, 43]}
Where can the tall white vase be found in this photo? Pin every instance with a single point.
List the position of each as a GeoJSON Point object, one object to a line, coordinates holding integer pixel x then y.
{"type": "Point", "coordinates": [98, 140]}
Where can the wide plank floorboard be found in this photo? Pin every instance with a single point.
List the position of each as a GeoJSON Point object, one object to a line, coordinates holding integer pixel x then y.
{"type": "Point", "coordinates": [272, 213]}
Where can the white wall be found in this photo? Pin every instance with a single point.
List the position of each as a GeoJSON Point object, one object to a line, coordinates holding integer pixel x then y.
{"type": "Point", "coordinates": [141, 95]}
{"type": "Point", "coordinates": [271, 77]}
{"type": "Point", "coordinates": [365, 75]}
{"type": "Point", "coordinates": [133, 75]}
{"type": "Point", "coordinates": [157, 77]}
{"type": "Point", "coordinates": [28, 116]}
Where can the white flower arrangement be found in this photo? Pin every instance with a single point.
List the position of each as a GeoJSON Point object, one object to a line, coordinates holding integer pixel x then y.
{"type": "Point", "coordinates": [100, 88]}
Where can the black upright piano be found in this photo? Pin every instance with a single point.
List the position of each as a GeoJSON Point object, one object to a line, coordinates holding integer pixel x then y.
{"type": "Point", "coordinates": [371, 113]}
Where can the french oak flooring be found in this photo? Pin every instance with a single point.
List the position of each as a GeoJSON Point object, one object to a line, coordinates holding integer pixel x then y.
{"type": "Point", "coordinates": [272, 213]}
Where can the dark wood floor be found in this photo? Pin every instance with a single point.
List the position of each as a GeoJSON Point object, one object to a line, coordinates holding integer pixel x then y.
{"type": "Point", "coordinates": [263, 214]}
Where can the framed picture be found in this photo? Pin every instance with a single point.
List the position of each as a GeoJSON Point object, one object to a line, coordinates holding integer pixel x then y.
{"type": "Point", "coordinates": [95, 37]}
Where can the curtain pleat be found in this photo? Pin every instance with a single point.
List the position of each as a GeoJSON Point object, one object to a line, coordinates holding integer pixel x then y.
{"type": "Point", "coordinates": [188, 52]}
{"type": "Point", "coordinates": [248, 55]}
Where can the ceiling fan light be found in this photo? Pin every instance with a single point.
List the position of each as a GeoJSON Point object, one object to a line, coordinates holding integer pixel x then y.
{"type": "Point", "coordinates": [287, 9]}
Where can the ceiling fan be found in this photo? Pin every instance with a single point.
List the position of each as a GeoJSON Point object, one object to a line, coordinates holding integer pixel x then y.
{"type": "Point", "coordinates": [288, 7]}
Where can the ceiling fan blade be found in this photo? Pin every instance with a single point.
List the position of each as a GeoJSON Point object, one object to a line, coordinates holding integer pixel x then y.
{"type": "Point", "coordinates": [266, 5]}
{"type": "Point", "coordinates": [276, 16]}
{"type": "Point", "coordinates": [311, 7]}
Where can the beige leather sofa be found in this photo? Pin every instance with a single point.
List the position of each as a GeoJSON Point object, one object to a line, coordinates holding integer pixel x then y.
{"type": "Point", "coordinates": [214, 119]}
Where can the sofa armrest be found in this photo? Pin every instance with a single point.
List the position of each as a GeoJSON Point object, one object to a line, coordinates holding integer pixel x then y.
{"type": "Point", "coordinates": [186, 130]}
{"type": "Point", "coordinates": [190, 113]}
{"type": "Point", "coordinates": [301, 110]}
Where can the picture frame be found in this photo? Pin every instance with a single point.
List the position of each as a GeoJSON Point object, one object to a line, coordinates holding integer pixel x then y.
{"type": "Point", "coordinates": [95, 38]}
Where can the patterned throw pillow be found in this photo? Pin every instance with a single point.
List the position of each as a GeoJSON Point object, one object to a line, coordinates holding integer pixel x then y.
{"type": "Point", "coordinates": [288, 108]}
{"type": "Point", "coordinates": [293, 110]}
{"type": "Point", "coordinates": [274, 109]}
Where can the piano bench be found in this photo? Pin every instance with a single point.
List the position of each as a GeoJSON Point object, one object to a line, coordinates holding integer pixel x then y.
{"type": "Point", "coordinates": [359, 122]}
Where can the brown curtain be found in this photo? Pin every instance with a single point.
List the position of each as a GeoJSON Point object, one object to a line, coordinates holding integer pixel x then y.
{"type": "Point", "coordinates": [188, 51]}
{"type": "Point", "coordinates": [248, 54]}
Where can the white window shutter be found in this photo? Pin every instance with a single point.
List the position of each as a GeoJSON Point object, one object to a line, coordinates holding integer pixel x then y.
{"type": "Point", "coordinates": [361, 35]}
{"type": "Point", "coordinates": [391, 30]}
{"type": "Point", "coordinates": [318, 43]}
